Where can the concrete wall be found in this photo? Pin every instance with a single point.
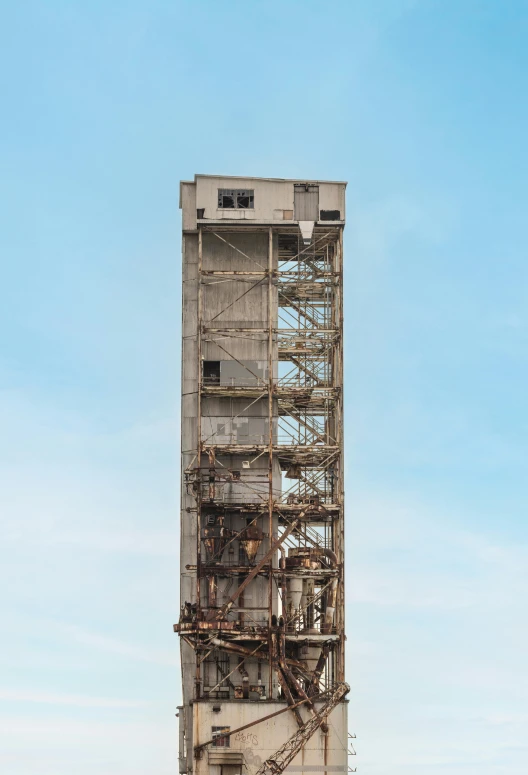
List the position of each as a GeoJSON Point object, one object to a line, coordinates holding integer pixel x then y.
{"type": "Point", "coordinates": [189, 441]}
{"type": "Point", "coordinates": [322, 754]}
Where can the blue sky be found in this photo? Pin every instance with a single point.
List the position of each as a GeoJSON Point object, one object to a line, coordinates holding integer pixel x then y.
{"type": "Point", "coordinates": [419, 104]}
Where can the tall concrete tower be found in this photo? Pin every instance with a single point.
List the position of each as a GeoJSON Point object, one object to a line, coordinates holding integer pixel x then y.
{"type": "Point", "coordinates": [262, 579]}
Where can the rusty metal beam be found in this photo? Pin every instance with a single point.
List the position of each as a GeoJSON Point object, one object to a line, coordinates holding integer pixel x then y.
{"type": "Point", "coordinates": [199, 746]}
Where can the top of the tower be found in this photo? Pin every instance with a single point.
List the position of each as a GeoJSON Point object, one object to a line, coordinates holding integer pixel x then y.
{"type": "Point", "coordinates": [251, 200]}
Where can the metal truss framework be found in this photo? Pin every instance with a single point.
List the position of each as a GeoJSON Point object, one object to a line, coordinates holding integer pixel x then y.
{"type": "Point", "coordinates": [289, 750]}
{"type": "Point", "coordinates": [304, 515]}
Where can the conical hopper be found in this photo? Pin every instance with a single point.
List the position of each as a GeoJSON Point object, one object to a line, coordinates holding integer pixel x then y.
{"type": "Point", "coordinates": [215, 538]}
{"type": "Point", "coordinates": [250, 541]}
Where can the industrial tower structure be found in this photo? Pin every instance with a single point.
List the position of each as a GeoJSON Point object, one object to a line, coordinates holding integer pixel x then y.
{"type": "Point", "coordinates": [262, 580]}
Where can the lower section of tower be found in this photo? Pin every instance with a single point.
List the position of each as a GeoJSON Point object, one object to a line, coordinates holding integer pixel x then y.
{"type": "Point", "coordinates": [215, 750]}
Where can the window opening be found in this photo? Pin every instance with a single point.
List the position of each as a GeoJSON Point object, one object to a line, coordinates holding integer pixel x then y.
{"type": "Point", "coordinates": [330, 215]}
{"type": "Point", "coordinates": [211, 372]}
{"type": "Point", "coordinates": [244, 198]}
{"type": "Point", "coordinates": [238, 198]}
{"type": "Point", "coordinates": [219, 738]}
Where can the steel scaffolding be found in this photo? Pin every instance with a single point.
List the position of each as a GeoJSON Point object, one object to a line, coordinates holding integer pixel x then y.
{"type": "Point", "coordinates": [291, 538]}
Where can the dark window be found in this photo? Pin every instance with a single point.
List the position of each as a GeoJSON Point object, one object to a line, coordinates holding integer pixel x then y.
{"type": "Point", "coordinates": [211, 372]}
{"type": "Point", "coordinates": [226, 199]}
{"type": "Point", "coordinates": [330, 215]}
{"type": "Point", "coordinates": [235, 198]}
{"type": "Point", "coordinates": [245, 199]}
{"type": "Point", "coordinates": [219, 740]}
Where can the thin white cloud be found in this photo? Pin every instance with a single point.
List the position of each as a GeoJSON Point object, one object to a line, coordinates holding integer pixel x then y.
{"type": "Point", "coordinates": [75, 700]}
{"type": "Point", "coordinates": [154, 543]}
{"type": "Point", "coordinates": [122, 648]}
{"type": "Point", "coordinates": [416, 557]}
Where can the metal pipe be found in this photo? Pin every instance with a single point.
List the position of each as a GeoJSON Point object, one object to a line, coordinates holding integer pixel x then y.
{"type": "Point", "coordinates": [212, 589]}
{"type": "Point", "coordinates": [300, 691]}
{"type": "Point", "coordinates": [283, 680]}
{"type": "Point", "coordinates": [332, 556]}
{"type": "Point", "coordinates": [199, 447]}
{"type": "Point", "coordinates": [245, 678]}
{"type": "Point", "coordinates": [182, 759]}
{"type": "Point", "coordinates": [331, 601]}
{"type": "Point", "coordinates": [270, 442]}
{"type": "Point", "coordinates": [317, 673]}
{"type": "Point", "coordinates": [212, 476]}
{"type": "Point", "coordinates": [282, 566]}
{"type": "Point", "coordinates": [289, 697]}
{"type": "Point", "coordinates": [236, 649]}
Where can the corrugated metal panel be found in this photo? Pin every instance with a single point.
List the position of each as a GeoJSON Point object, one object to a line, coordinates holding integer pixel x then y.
{"type": "Point", "coordinates": [306, 203]}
